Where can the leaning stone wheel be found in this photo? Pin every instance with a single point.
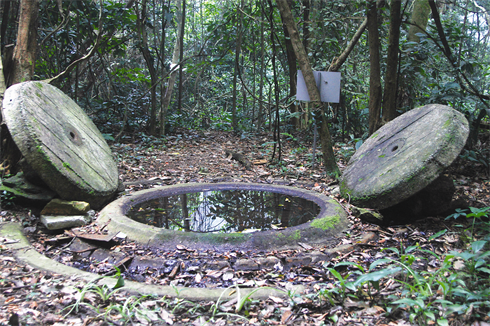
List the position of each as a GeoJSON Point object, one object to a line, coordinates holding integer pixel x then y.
{"type": "Point", "coordinates": [404, 156]}
{"type": "Point", "coordinates": [60, 142]}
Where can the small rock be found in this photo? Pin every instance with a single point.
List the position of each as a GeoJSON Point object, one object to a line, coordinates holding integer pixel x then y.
{"type": "Point", "coordinates": [64, 207]}
{"type": "Point", "coordinates": [217, 265]}
{"type": "Point", "coordinates": [268, 262]}
{"type": "Point", "coordinates": [246, 265]}
{"type": "Point", "coordinates": [57, 222]}
{"type": "Point", "coordinates": [298, 261]}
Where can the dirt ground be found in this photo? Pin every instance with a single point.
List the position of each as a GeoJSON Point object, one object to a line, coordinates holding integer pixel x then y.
{"type": "Point", "coordinates": [33, 297]}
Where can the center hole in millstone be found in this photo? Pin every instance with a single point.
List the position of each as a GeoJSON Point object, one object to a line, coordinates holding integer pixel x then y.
{"type": "Point", "coordinates": [394, 147]}
{"type": "Point", "coordinates": [225, 211]}
{"type": "Point", "coordinates": [74, 136]}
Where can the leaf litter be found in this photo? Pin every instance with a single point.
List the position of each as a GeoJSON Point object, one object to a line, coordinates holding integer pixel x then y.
{"type": "Point", "coordinates": [33, 297]}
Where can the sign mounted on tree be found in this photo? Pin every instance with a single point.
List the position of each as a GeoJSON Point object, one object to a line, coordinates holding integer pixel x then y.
{"type": "Point", "coordinates": [328, 83]}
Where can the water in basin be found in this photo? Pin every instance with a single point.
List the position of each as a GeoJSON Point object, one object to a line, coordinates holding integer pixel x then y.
{"type": "Point", "coordinates": [225, 211]}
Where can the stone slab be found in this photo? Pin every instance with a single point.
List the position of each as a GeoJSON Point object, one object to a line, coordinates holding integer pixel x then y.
{"type": "Point", "coordinates": [60, 142]}
{"type": "Point", "coordinates": [404, 156]}
{"type": "Point", "coordinates": [58, 222]}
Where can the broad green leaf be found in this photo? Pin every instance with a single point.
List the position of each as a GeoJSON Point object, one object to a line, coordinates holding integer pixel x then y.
{"type": "Point", "coordinates": [430, 315]}
{"type": "Point", "coordinates": [478, 245]}
{"type": "Point", "coordinates": [376, 276]}
{"type": "Point", "coordinates": [442, 322]}
{"type": "Point", "coordinates": [437, 235]}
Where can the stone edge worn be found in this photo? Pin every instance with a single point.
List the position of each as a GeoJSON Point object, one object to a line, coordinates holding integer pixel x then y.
{"type": "Point", "coordinates": [24, 252]}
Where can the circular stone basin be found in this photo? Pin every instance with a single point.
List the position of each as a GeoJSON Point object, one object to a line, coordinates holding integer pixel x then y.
{"type": "Point", "coordinates": [323, 228]}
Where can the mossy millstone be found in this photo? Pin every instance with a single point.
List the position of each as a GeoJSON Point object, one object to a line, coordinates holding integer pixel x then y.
{"type": "Point", "coordinates": [404, 156]}
{"type": "Point", "coordinates": [60, 142]}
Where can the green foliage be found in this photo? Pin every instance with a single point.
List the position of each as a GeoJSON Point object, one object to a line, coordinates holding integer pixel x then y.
{"type": "Point", "coordinates": [429, 296]}
{"type": "Point", "coordinates": [7, 199]}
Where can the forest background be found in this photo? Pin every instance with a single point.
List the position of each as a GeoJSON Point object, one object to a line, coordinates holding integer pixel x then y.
{"type": "Point", "coordinates": [151, 66]}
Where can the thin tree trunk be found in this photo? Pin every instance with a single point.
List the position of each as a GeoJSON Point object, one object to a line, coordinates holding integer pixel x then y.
{"type": "Point", "coordinates": [260, 118]}
{"type": "Point", "coordinates": [24, 57]}
{"type": "Point", "coordinates": [391, 83]}
{"type": "Point", "coordinates": [293, 108]}
{"type": "Point", "coordinates": [3, 85]}
{"type": "Point", "coordinates": [175, 61]}
{"type": "Point", "coordinates": [306, 24]}
{"type": "Point", "coordinates": [6, 17]}
{"type": "Point", "coordinates": [375, 92]}
{"type": "Point", "coordinates": [339, 61]}
{"type": "Point", "coordinates": [302, 57]}
{"type": "Point", "coordinates": [234, 122]}
{"type": "Point", "coordinates": [144, 48]}
{"type": "Point", "coordinates": [277, 136]}
{"type": "Point", "coordinates": [181, 58]}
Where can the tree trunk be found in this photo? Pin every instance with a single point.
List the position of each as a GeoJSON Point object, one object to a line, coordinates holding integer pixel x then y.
{"type": "Point", "coordinates": [234, 121]}
{"type": "Point", "coordinates": [3, 85]}
{"type": "Point", "coordinates": [6, 17]}
{"type": "Point", "coordinates": [181, 58]}
{"type": "Point", "coordinates": [391, 83]}
{"type": "Point", "coordinates": [175, 62]}
{"type": "Point", "coordinates": [419, 19]}
{"type": "Point", "coordinates": [375, 71]}
{"type": "Point", "coordinates": [24, 57]}
{"type": "Point", "coordinates": [144, 48]}
{"type": "Point", "coordinates": [339, 61]}
{"type": "Point", "coordinates": [306, 24]}
{"type": "Point", "coordinates": [260, 114]}
{"type": "Point", "coordinates": [328, 156]}
{"type": "Point", "coordinates": [277, 136]}
{"type": "Point", "coordinates": [293, 108]}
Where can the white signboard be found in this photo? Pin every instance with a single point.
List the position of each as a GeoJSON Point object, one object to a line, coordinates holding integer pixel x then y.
{"type": "Point", "coordinates": [328, 84]}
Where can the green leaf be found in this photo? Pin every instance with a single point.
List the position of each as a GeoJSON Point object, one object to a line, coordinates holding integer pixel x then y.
{"type": "Point", "coordinates": [430, 315]}
{"type": "Point", "coordinates": [484, 270]}
{"type": "Point", "coordinates": [378, 262]}
{"type": "Point", "coordinates": [376, 276]}
{"type": "Point", "coordinates": [442, 322]}
{"type": "Point", "coordinates": [478, 245]}
{"type": "Point", "coordinates": [437, 235]}
{"type": "Point", "coordinates": [406, 301]}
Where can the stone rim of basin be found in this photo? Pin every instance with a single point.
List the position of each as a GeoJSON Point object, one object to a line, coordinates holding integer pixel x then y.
{"type": "Point", "coordinates": [404, 156]}
{"type": "Point", "coordinates": [325, 228]}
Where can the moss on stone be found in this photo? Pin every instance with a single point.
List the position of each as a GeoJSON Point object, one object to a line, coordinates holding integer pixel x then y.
{"type": "Point", "coordinates": [295, 236]}
{"type": "Point", "coordinates": [325, 223]}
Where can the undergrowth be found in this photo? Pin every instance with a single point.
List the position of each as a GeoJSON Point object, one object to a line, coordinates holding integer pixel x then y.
{"type": "Point", "coordinates": [454, 291]}
{"type": "Point", "coordinates": [407, 283]}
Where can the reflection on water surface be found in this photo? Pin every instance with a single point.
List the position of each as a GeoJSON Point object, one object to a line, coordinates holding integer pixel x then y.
{"type": "Point", "coordinates": [225, 211]}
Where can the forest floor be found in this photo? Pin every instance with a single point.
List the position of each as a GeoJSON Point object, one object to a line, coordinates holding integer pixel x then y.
{"type": "Point", "coordinates": [34, 297]}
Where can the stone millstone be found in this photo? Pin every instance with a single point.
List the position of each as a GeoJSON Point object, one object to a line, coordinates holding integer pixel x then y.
{"type": "Point", "coordinates": [60, 142]}
{"type": "Point", "coordinates": [404, 156]}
